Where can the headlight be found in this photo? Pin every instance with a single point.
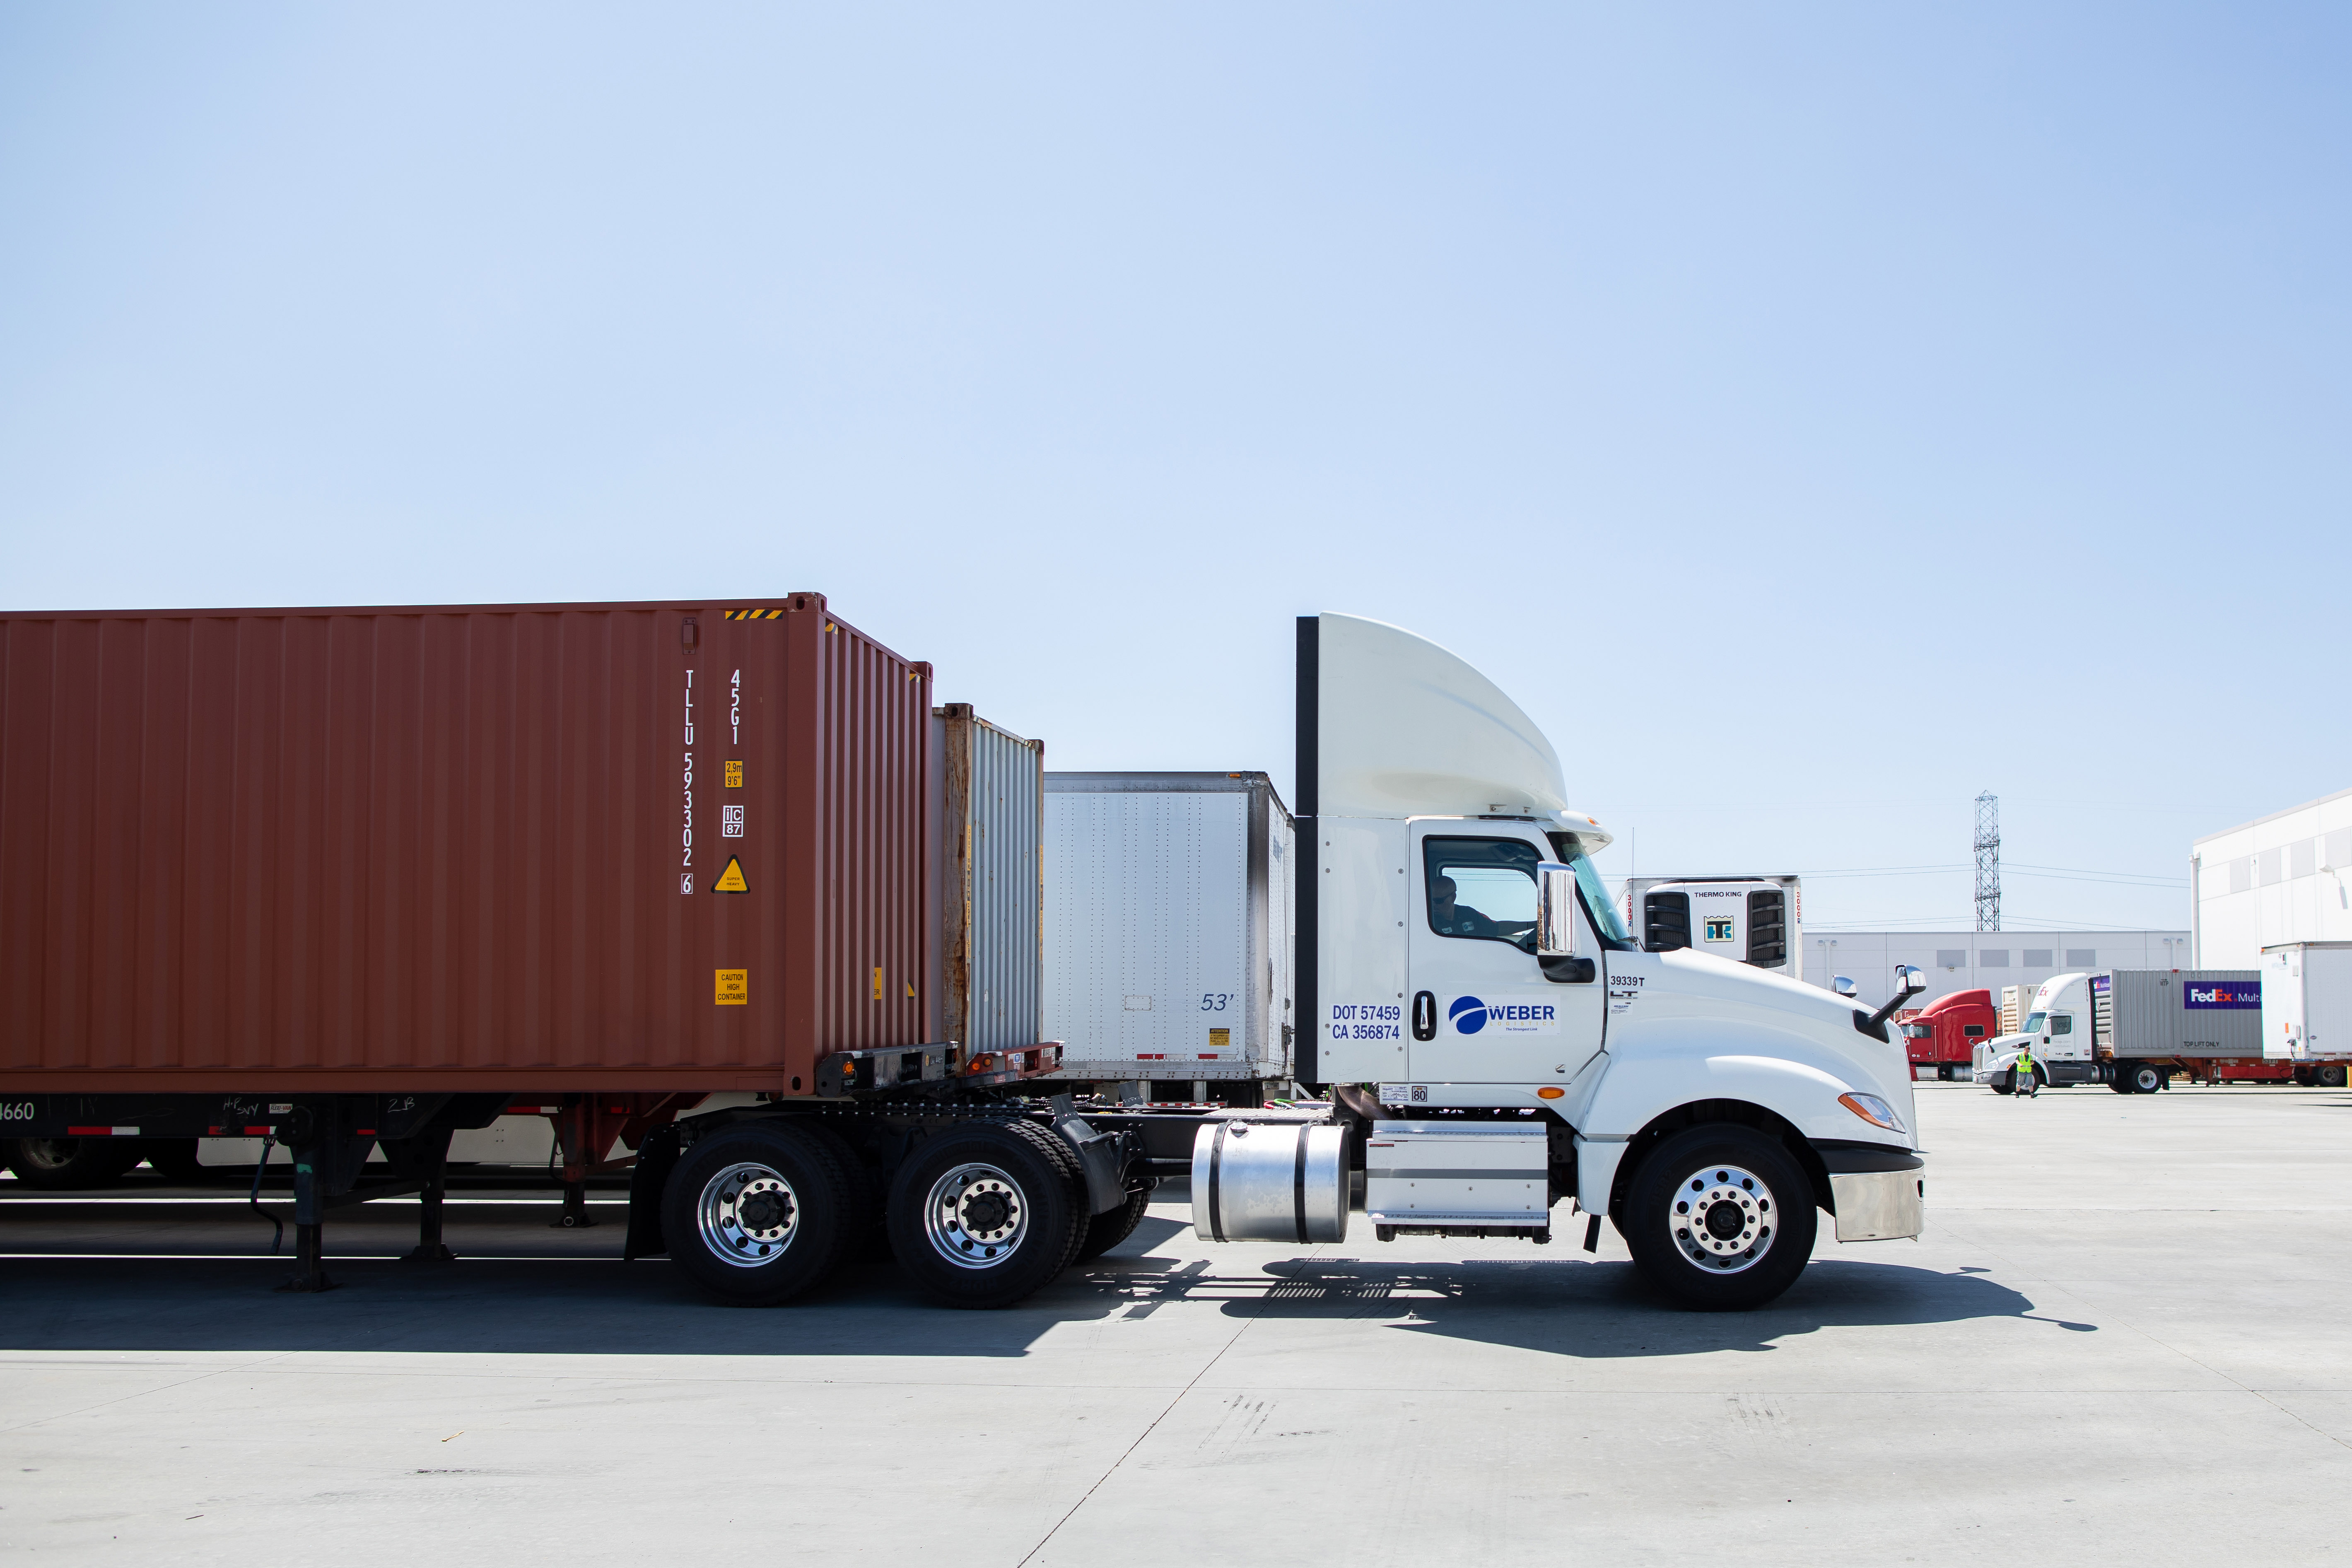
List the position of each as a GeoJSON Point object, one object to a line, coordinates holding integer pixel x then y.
{"type": "Point", "coordinates": [1873, 1110]}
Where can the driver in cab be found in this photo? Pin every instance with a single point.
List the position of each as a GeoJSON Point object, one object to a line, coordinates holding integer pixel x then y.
{"type": "Point", "coordinates": [1454, 919]}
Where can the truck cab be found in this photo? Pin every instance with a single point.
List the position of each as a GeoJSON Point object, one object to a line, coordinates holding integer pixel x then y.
{"type": "Point", "coordinates": [1460, 958]}
{"type": "Point", "coordinates": [2057, 1031]}
{"type": "Point", "coordinates": [1943, 1035]}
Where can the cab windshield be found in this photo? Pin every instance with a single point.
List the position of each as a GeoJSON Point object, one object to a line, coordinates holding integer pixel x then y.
{"type": "Point", "coordinates": [2032, 1024]}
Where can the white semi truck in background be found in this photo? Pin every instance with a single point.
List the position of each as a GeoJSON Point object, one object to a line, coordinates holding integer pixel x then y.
{"type": "Point", "coordinates": [1753, 920]}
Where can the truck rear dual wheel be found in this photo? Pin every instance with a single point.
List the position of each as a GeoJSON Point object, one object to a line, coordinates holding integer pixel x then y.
{"type": "Point", "coordinates": [2139, 1078]}
{"type": "Point", "coordinates": [1720, 1218]}
{"type": "Point", "coordinates": [72, 1164]}
{"type": "Point", "coordinates": [985, 1214]}
{"type": "Point", "coordinates": [1108, 1228]}
{"type": "Point", "coordinates": [758, 1211]}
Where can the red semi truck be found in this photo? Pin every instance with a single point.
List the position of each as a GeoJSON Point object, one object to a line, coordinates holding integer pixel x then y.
{"type": "Point", "coordinates": [1945, 1033]}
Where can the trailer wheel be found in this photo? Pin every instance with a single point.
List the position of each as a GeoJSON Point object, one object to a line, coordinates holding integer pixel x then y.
{"type": "Point", "coordinates": [1110, 1227]}
{"type": "Point", "coordinates": [983, 1214]}
{"type": "Point", "coordinates": [2144, 1078]}
{"type": "Point", "coordinates": [2331, 1075]}
{"type": "Point", "coordinates": [70, 1164]}
{"type": "Point", "coordinates": [861, 1188]}
{"type": "Point", "coordinates": [754, 1212]}
{"type": "Point", "coordinates": [1720, 1218]}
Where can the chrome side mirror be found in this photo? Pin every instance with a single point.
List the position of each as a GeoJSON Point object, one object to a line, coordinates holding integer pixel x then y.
{"type": "Point", "coordinates": [1555, 911]}
{"type": "Point", "coordinates": [1843, 986]}
{"type": "Point", "coordinates": [1908, 982]}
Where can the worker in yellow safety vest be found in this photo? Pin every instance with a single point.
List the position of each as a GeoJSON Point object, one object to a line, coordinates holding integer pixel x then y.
{"type": "Point", "coordinates": [2027, 1081]}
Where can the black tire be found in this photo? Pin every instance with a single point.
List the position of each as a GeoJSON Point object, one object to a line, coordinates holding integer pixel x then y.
{"type": "Point", "coordinates": [72, 1164]}
{"type": "Point", "coordinates": [2143, 1077]}
{"type": "Point", "coordinates": [2006, 1083]}
{"type": "Point", "coordinates": [2121, 1083]}
{"type": "Point", "coordinates": [1007, 1219]}
{"type": "Point", "coordinates": [2331, 1075]}
{"type": "Point", "coordinates": [862, 1193]}
{"type": "Point", "coordinates": [1108, 1229]}
{"type": "Point", "coordinates": [1741, 1176]}
{"type": "Point", "coordinates": [754, 1212]}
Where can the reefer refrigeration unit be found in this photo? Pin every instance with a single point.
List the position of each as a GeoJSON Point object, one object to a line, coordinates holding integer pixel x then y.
{"type": "Point", "coordinates": [1750, 920]}
{"type": "Point", "coordinates": [1168, 930]}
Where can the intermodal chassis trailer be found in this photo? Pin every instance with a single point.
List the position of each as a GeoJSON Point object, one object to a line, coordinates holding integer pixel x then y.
{"type": "Point", "coordinates": [360, 879]}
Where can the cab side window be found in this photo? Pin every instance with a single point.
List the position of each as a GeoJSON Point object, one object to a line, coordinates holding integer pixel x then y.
{"type": "Point", "coordinates": [2061, 1023]}
{"type": "Point", "coordinates": [1973, 1031]}
{"type": "Point", "coordinates": [1482, 888]}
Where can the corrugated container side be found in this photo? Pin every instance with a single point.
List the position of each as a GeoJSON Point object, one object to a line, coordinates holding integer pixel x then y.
{"type": "Point", "coordinates": [993, 813]}
{"type": "Point", "coordinates": [455, 846]}
{"type": "Point", "coordinates": [2147, 1016]}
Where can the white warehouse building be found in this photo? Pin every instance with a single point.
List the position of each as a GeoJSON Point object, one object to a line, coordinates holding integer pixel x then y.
{"type": "Point", "coordinates": [2277, 879]}
{"type": "Point", "coordinates": [1968, 960]}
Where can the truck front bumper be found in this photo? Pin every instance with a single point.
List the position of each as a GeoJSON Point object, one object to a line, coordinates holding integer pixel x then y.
{"type": "Point", "coordinates": [1877, 1194]}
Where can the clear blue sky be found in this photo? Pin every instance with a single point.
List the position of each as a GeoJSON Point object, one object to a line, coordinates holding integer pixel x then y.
{"type": "Point", "coordinates": [1814, 416]}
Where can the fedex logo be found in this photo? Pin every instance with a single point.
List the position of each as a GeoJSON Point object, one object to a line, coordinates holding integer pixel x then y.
{"type": "Point", "coordinates": [2243, 995]}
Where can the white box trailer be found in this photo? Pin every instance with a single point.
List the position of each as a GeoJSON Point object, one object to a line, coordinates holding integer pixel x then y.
{"type": "Point", "coordinates": [2016, 1003]}
{"type": "Point", "coordinates": [2307, 1007]}
{"type": "Point", "coordinates": [1168, 949]}
{"type": "Point", "coordinates": [1753, 920]}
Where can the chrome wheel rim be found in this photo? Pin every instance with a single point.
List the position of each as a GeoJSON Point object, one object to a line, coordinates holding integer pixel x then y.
{"type": "Point", "coordinates": [748, 1215]}
{"type": "Point", "coordinates": [976, 1215]}
{"type": "Point", "coordinates": [1723, 1218]}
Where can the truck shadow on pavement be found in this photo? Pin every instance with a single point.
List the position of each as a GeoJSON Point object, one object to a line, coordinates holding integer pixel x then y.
{"type": "Point", "coordinates": [1570, 1307]}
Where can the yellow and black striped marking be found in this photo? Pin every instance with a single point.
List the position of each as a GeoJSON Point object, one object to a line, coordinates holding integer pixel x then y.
{"type": "Point", "coordinates": [755, 614]}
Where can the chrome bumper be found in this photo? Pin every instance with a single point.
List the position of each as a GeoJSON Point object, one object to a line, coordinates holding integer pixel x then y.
{"type": "Point", "coordinates": [1878, 1205]}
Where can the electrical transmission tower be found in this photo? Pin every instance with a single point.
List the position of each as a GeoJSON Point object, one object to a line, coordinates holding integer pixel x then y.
{"type": "Point", "coordinates": [1988, 862]}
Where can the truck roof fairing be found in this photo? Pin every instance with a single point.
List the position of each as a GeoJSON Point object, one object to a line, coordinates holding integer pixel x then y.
{"type": "Point", "coordinates": [1403, 728]}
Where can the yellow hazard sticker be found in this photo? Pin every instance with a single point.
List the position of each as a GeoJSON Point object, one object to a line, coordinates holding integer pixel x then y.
{"type": "Point", "coordinates": [877, 986]}
{"type": "Point", "coordinates": [733, 988]}
{"type": "Point", "coordinates": [734, 775]}
{"type": "Point", "coordinates": [730, 881]}
{"type": "Point", "coordinates": [759, 613]}
{"type": "Point", "coordinates": [1221, 1038]}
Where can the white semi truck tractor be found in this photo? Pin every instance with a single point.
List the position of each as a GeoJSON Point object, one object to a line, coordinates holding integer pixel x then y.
{"type": "Point", "coordinates": [1495, 1042]}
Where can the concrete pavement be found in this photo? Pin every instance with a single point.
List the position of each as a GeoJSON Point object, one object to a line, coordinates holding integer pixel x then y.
{"type": "Point", "coordinates": [2121, 1341]}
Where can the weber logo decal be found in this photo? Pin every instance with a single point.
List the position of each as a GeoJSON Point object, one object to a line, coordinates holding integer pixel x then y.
{"type": "Point", "coordinates": [1472, 1015]}
{"type": "Point", "coordinates": [2236, 995]}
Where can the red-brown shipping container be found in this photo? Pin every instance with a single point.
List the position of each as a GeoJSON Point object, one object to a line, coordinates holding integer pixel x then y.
{"type": "Point", "coordinates": [661, 846]}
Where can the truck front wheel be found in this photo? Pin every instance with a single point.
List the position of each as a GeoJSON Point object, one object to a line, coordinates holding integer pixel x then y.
{"type": "Point", "coordinates": [984, 1214]}
{"type": "Point", "coordinates": [1720, 1218]}
{"type": "Point", "coordinates": [754, 1212]}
